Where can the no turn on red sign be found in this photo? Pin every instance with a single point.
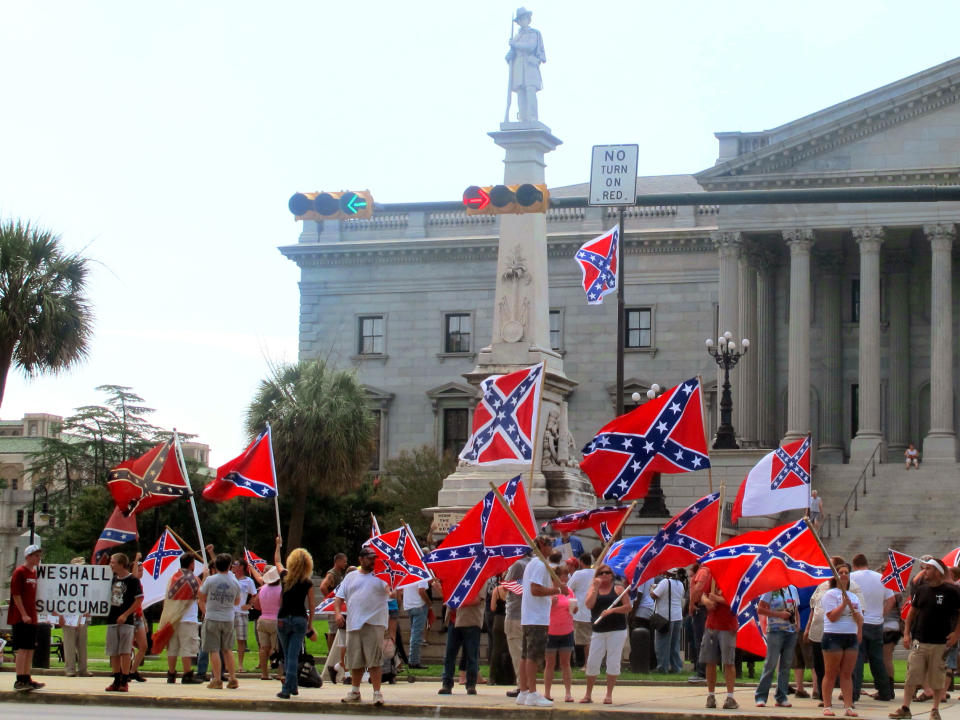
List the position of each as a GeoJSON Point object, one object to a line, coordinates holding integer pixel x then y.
{"type": "Point", "coordinates": [613, 175]}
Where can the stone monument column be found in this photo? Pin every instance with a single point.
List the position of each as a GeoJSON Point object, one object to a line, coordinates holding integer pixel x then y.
{"type": "Point", "coordinates": [869, 435]}
{"type": "Point", "coordinates": [747, 392]}
{"type": "Point", "coordinates": [728, 246]}
{"type": "Point", "coordinates": [940, 444]}
{"type": "Point", "coordinates": [798, 359]}
{"type": "Point", "coordinates": [830, 449]}
{"type": "Point", "coordinates": [898, 413]}
{"type": "Point", "coordinates": [766, 350]}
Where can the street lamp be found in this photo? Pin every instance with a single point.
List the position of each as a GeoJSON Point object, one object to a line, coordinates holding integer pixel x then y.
{"type": "Point", "coordinates": [44, 515]}
{"type": "Point", "coordinates": [654, 504]}
{"type": "Point", "coordinates": [725, 352]}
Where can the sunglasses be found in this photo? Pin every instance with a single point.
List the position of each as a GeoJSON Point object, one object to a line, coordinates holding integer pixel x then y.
{"type": "Point", "coordinates": [605, 572]}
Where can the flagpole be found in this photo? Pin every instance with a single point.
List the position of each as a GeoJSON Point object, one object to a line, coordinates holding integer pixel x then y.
{"type": "Point", "coordinates": [816, 537]}
{"type": "Point", "coordinates": [180, 540]}
{"type": "Point", "coordinates": [613, 535]}
{"type": "Point", "coordinates": [523, 530]}
{"type": "Point", "coordinates": [193, 503]}
{"type": "Point", "coordinates": [706, 437]}
{"type": "Point", "coordinates": [416, 545]}
{"type": "Point", "coordinates": [537, 435]}
{"type": "Point", "coordinates": [273, 468]}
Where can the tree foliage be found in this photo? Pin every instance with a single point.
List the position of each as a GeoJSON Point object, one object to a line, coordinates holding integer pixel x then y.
{"type": "Point", "coordinates": [46, 321]}
{"type": "Point", "coordinates": [410, 483]}
{"type": "Point", "coordinates": [322, 434]}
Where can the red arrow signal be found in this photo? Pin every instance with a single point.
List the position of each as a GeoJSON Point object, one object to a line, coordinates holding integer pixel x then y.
{"type": "Point", "coordinates": [476, 198]}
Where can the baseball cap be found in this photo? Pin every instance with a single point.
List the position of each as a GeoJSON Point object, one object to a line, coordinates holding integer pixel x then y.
{"type": "Point", "coordinates": [31, 549]}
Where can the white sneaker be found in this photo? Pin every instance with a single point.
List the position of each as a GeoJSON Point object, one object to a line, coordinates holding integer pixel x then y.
{"type": "Point", "coordinates": [522, 697]}
{"type": "Point", "coordinates": [377, 698]}
{"type": "Point", "coordinates": [338, 667]}
{"type": "Point", "coordinates": [352, 697]}
{"type": "Point", "coordinates": [537, 700]}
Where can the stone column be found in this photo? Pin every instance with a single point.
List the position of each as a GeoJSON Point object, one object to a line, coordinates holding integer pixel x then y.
{"type": "Point", "coordinates": [798, 375]}
{"type": "Point", "coordinates": [746, 422]}
{"type": "Point", "coordinates": [765, 348]}
{"type": "Point", "coordinates": [940, 444]}
{"type": "Point", "coordinates": [869, 434]}
{"type": "Point", "coordinates": [729, 245]}
{"type": "Point", "coordinates": [898, 412]}
{"type": "Point", "coordinates": [830, 449]}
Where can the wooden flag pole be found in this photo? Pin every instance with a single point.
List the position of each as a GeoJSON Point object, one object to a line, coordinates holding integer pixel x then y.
{"type": "Point", "coordinates": [193, 502]}
{"type": "Point", "coordinates": [613, 535]}
{"type": "Point", "coordinates": [180, 540]}
{"type": "Point", "coordinates": [416, 545]}
{"type": "Point", "coordinates": [706, 437]}
{"type": "Point", "coordinates": [522, 530]}
{"type": "Point", "coordinates": [809, 524]}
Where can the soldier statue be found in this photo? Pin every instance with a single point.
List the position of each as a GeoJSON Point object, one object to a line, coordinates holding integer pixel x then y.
{"type": "Point", "coordinates": [526, 54]}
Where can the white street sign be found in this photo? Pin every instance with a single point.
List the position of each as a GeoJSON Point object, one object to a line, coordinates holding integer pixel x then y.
{"type": "Point", "coordinates": [613, 175]}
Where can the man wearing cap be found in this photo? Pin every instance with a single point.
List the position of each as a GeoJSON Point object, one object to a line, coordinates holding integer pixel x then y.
{"type": "Point", "coordinates": [366, 596]}
{"type": "Point", "coordinates": [932, 625]}
{"type": "Point", "coordinates": [22, 617]}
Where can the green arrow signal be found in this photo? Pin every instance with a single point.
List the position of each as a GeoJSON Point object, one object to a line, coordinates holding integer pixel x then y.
{"type": "Point", "coordinates": [354, 204]}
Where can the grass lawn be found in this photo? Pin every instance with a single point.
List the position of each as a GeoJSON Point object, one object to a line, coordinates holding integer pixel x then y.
{"type": "Point", "coordinates": [98, 662]}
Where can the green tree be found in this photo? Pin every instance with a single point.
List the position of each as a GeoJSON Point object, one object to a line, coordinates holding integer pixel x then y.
{"type": "Point", "coordinates": [322, 433]}
{"type": "Point", "coordinates": [410, 482]}
{"type": "Point", "coordinates": [45, 316]}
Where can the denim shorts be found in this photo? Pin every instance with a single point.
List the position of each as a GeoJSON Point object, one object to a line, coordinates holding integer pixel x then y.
{"type": "Point", "coordinates": [560, 642]}
{"type": "Point", "coordinates": [836, 642]}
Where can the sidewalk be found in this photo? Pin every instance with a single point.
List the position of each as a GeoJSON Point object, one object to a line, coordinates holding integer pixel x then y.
{"type": "Point", "coordinates": [420, 699]}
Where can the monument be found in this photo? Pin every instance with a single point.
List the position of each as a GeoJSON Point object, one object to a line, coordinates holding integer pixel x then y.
{"type": "Point", "coordinates": [521, 321]}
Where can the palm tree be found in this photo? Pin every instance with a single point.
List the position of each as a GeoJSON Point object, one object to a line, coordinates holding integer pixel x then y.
{"type": "Point", "coordinates": [45, 316]}
{"type": "Point", "coordinates": [322, 433]}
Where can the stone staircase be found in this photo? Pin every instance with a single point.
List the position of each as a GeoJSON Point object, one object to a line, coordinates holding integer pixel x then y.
{"type": "Point", "coordinates": [912, 511]}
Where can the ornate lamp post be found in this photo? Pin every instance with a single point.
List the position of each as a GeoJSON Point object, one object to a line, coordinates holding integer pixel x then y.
{"type": "Point", "coordinates": [33, 510]}
{"type": "Point", "coordinates": [654, 504]}
{"type": "Point", "coordinates": [725, 353]}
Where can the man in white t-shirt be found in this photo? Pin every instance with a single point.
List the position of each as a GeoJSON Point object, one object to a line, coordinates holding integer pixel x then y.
{"type": "Point", "coordinates": [366, 595]}
{"type": "Point", "coordinates": [416, 601]}
{"type": "Point", "coordinates": [538, 590]}
{"type": "Point", "coordinates": [877, 601]}
{"type": "Point", "coordinates": [668, 594]}
{"type": "Point", "coordinates": [580, 583]}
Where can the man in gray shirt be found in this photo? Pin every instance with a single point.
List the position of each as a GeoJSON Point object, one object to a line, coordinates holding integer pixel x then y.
{"type": "Point", "coordinates": [511, 622]}
{"type": "Point", "coordinates": [217, 597]}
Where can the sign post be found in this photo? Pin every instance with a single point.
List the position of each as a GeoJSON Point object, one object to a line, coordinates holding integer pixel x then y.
{"type": "Point", "coordinates": [613, 182]}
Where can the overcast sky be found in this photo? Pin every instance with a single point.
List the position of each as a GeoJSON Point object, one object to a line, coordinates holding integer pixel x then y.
{"type": "Point", "coordinates": [163, 140]}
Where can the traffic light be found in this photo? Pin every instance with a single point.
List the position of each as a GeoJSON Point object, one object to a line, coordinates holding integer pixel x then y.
{"type": "Point", "coordinates": [506, 199]}
{"type": "Point", "coordinates": [344, 205]}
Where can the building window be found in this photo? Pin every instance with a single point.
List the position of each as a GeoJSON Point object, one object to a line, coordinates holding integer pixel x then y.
{"type": "Point", "coordinates": [370, 335]}
{"type": "Point", "coordinates": [455, 429]}
{"type": "Point", "coordinates": [639, 328]}
{"type": "Point", "coordinates": [20, 518]}
{"type": "Point", "coordinates": [457, 329]}
{"type": "Point", "coordinates": [375, 454]}
{"type": "Point", "coordinates": [556, 330]}
{"type": "Point", "coordinates": [14, 483]}
{"type": "Point", "coordinates": [855, 300]}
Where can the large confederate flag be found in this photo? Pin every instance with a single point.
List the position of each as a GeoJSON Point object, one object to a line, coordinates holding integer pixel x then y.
{"type": "Point", "coordinates": [148, 481]}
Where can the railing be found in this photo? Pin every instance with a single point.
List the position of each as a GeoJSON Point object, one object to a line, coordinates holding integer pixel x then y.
{"type": "Point", "coordinates": [853, 497]}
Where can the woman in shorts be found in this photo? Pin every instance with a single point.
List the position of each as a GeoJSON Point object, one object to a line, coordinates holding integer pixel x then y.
{"type": "Point", "coordinates": [560, 636]}
{"type": "Point", "coordinates": [842, 626]}
{"type": "Point", "coordinates": [267, 601]}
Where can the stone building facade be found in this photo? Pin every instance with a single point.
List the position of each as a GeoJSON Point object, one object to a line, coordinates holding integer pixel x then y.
{"type": "Point", "coordinates": [851, 308]}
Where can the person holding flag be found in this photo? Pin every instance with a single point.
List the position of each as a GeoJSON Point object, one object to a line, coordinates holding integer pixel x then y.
{"type": "Point", "coordinates": [609, 630]}
{"type": "Point", "coordinates": [781, 608]}
{"type": "Point", "coordinates": [366, 596]}
{"type": "Point", "coordinates": [719, 643]}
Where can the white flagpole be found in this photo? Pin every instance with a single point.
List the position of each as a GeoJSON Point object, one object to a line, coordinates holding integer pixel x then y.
{"type": "Point", "coordinates": [193, 503]}
{"type": "Point", "coordinates": [273, 468]}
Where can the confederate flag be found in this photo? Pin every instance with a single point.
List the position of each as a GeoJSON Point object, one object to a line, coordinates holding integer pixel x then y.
{"type": "Point", "coordinates": [597, 259]}
{"type": "Point", "coordinates": [952, 558]}
{"type": "Point", "coordinates": [753, 563]}
{"type": "Point", "coordinates": [152, 479]}
{"type": "Point", "coordinates": [603, 521]}
{"type": "Point", "coordinates": [119, 529]}
{"type": "Point", "coordinates": [686, 537]}
{"type": "Point", "coordinates": [485, 543]}
{"type": "Point", "coordinates": [780, 481]}
{"type": "Point", "coordinates": [896, 574]}
{"type": "Point", "coordinates": [249, 475]}
{"type": "Point", "coordinates": [399, 560]}
{"type": "Point", "coordinates": [255, 560]}
{"type": "Point", "coordinates": [505, 420]}
{"type": "Point", "coordinates": [159, 566]}
{"type": "Point", "coordinates": [751, 636]}
{"type": "Point", "coordinates": [663, 435]}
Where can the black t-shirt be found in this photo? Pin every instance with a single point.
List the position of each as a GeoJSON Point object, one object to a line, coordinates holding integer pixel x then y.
{"type": "Point", "coordinates": [293, 602]}
{"type": "Point", "coordinates": [935, 612]}
{"type": "Point", "coordinates": [123, 594]}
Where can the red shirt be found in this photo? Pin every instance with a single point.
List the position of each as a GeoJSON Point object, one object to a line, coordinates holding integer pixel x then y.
{"type": "Point", "coordinates": [24, 584]}
{"type": "Point", "coordinates": [720, 616]}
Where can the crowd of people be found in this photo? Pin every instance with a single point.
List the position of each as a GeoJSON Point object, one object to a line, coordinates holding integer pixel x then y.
{"type": "Point", "coordinates": [553, 610]}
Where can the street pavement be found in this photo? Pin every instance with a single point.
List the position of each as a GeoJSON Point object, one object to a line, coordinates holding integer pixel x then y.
{"type": "Point", "coordinates": [417, 700]}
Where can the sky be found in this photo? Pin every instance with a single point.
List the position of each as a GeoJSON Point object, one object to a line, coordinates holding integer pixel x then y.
{"type": "Point", "coordinates": [163, 140]}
